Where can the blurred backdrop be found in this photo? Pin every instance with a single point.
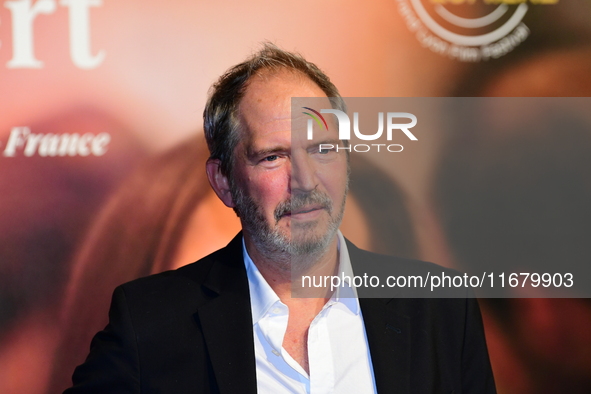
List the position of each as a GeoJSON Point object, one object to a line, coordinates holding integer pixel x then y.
{"type": "Point", "coordinates": [102, 157]}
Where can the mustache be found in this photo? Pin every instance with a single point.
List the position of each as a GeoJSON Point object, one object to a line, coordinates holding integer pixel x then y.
{"type": "Point", "coordinates": [301, 200]}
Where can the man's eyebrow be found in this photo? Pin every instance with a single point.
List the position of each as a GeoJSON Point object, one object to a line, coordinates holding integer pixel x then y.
{"type": "Point", "coordinates": [253, 153]}
{"type": "Point", "coordinates": [332, 141]}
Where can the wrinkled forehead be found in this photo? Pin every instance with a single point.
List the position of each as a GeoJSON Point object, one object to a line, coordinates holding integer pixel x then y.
{"type": "Point", "coordinates": [268, 97]}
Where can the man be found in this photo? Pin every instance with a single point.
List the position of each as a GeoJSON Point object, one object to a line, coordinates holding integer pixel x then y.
{"type": "Point", "coordinates": [229, 323]}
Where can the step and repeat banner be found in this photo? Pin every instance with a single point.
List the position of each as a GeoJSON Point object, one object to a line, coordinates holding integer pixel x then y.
{"type": "Point", "coordinates": [102, 158]}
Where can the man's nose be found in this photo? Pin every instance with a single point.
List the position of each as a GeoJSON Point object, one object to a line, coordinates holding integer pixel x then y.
{"type": "Point", "coordinates": [303, 174]}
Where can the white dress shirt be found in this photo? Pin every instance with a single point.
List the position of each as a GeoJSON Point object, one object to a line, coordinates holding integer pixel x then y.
{"type": "Point", "coordinates": [338, 353]}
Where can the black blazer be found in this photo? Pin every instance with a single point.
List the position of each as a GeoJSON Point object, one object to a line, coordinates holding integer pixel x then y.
{"type": "Point", "coordinates": [190, 331]}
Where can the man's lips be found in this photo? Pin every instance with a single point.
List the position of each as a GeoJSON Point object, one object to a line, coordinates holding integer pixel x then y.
{"type": "Point", "coordinates": [305, 210]}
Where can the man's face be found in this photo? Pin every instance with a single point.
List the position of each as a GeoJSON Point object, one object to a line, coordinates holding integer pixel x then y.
{"type": "Point", "coordinates": [290, 196]}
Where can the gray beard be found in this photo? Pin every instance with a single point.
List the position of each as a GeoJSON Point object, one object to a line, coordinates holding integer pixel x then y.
{"type": "Point", "coordinates": [293, 250]}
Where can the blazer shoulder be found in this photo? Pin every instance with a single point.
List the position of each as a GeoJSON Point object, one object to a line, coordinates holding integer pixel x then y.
{"type": "Point", "coordinates": [402, 277]}
{"type": "Point", "coordinates": [360, 257]}
{"type": "Point", "coordinates": [191, 283]}
{"type": "Point", "coordinates": [229, 256]}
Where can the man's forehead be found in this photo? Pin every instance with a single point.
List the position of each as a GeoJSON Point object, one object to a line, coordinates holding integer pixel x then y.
{"type": "Point", "coordinates": [266, 106]}
{"type": "Point", "coordinates": [270, 93]}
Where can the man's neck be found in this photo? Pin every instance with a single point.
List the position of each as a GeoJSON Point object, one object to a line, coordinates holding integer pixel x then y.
{"type": "Point", "coordinates": [280, 277]}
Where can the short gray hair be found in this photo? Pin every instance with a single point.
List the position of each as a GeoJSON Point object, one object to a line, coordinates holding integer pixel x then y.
{"type": "Point", "coordinates": [221, 118]}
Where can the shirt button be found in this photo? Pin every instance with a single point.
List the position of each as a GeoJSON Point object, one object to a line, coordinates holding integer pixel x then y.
{"type": "Point", "coordinates": [275, 352]}
{"type": "Point", "coordinates": [276, 311]}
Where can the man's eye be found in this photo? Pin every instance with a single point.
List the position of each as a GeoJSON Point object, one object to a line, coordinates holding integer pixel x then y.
{"type": "Point", "coordinates": [271, 158]}
{"type": "Point", "coordinates": [325, 151]}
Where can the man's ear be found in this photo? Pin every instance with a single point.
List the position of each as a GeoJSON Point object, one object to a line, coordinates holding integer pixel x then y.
{"type": "Point", "coordinates": [219, 182]}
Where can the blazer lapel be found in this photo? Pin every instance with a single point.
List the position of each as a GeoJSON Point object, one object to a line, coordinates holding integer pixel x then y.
{"type": "Point", "coordinates": [388, 331]}
{"type": "Point", "coordinates": [226, 322]}
{"type": "Point", "coordinates": [388, 335]}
